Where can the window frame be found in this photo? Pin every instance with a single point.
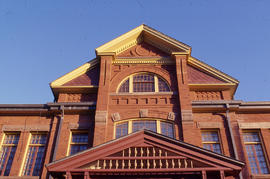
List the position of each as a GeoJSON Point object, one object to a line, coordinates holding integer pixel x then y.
{"type": "Point", "coordinates": [130, 126]}
{"type": "Point", "coordinates": [131, 87]}
{"type": "Point", "coordinates": [261, 142]}
{"type": "Point", "coordinates": [70, 143]}
{"type": "Point", "coordinates": [213, 142]}
{"type": "Point", "coordinates": [22, 170]}
{"type": "Point", "coordinates": [8, 145]}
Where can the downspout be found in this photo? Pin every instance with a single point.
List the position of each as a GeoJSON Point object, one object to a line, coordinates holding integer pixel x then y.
{"type": "Point", "coordinates": [232, 136]}
{"type": "Point", "coordinates": [58, 134]}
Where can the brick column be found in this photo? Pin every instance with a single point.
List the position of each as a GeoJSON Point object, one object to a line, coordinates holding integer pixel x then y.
{"type": "Point", "coordinates": [189, 131]}
{"type": "Point", "coordinates": [102, 100]}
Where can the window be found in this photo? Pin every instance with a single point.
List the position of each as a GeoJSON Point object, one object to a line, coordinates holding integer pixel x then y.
{"type": "Point", "coordinates": [79, 142]}
{"type": "Point", "coordinates": [143, 82]}
{"type": "Point", "coordinates": [35, 155]}
{"type": "Point", "coordinates": [255, 153]}
{"type": "Point", "coordinates": [138, 125]}
{"type": "Point", "coordinates": [210, 140]}
{"type": "Point", "coordinates": [133, 125]}
{"type": "Point", "coordinates": [7, 152]}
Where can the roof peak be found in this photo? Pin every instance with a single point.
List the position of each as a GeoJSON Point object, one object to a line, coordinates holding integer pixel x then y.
{"type": "Point", "coordinates": [143, 33]}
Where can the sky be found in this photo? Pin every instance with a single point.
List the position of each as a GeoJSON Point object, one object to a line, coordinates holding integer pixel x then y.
{"type": "Point", "coordinates": [42, 40]}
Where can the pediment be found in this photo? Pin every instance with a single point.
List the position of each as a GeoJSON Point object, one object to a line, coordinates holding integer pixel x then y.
{"type": "Point", "coordinates": [142, 50]}
{"type": "Point", "coordinates": [146, 156]}
{"type": "Point", "coordinates": [143, 33]}
{"type": "Point", "coordinates": [145, 151]}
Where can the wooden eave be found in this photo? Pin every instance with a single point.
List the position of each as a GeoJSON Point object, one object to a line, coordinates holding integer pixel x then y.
{"type": "Point", "coordinates": [75, 162]}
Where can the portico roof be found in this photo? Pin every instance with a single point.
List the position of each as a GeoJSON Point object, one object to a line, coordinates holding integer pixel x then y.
{"type": "Point", "coordinates": [143, 152]}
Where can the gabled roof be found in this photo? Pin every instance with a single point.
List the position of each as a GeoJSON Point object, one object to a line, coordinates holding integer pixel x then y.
{"type": "Point", "coordinates": [144, 149]}
{"type": "Point", "coordinates": [86, 74]}
{"type": "Point", "coordinates": [226, 81]}
{"type": "Point", "coordinates": [139, 34]}
{"type": "Point", "coordinates": [144, 45]}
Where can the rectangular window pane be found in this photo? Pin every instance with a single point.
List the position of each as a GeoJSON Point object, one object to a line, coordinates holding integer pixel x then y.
{"type": "Point", "coordinates": [7, 153]}
{"type": "Point", "coordinates": [79, 142]}
{"type": "Point", "coordinates": [121, 130]}
{"type": "Point", "coordinates": [143, 83]}
{"type": "Point", "coordinates": [210, 136]}
{"type": "Point", "coordinates": [138, 125]}
{"type": "Point", "coordinates": [80, 138]}
{"type": "Point", "coordinates": [35, 155]}
{"type": "Point", "coordinates": [256, 158]}
{"type": "Point", "coordinates": [210, 140]}
{"type": "Point", "coordinates": [167, 129]}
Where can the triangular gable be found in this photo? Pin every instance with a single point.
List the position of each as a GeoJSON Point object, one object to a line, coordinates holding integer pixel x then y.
{"type": "Point", "coordinates": [203, 76]}
{"type": "Point", "coordinates": [83, 78]}
{"type": "Point", "coordinates": [148, 152]}
{"type": "Point", "coordinates": [75, 73]}
{"type": "Point", "coordinates": [211, 70]}
{"type": "Point", "coordinates": [90, 78]}
{"type": "Point", "coordinates": [196, 76]}
{"type": "Point", "coordinates": [143, 33]}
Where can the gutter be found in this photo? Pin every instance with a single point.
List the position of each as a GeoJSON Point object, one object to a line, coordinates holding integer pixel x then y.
{"type": "Point", "coordinates": [235, 105]}
{"type": "Point", "coordinates": [232, 136]}
{"type": "Point", "coordinates": [45, 108]}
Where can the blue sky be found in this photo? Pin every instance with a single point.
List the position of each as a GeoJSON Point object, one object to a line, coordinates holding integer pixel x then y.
{"type": "Point", "coordinates": [42, 40]}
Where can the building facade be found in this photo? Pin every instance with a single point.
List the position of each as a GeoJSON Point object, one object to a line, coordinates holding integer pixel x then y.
{"type": "Point", "coordinates": [143, 108]}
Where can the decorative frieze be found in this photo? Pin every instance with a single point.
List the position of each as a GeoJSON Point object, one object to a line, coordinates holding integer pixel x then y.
{"type": "Point", "coordinates": [207, 95]}
{"type": "Point", "coordinates": [143, 158]}
{"type": "Point", "coordinates": [165, 99]}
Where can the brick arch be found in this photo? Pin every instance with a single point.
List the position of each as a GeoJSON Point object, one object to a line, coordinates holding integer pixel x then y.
{"type": "Point", "coordinates": [118, 78]}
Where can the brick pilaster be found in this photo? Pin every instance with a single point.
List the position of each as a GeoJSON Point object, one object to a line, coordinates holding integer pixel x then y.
{"type": "Point", "coordinates": [189, 130]}
{"type": "Point", "coordinates": [102, 100]}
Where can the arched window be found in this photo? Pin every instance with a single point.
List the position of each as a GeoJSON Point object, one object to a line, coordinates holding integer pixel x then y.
{"type": "Point", "coordinates": [156, 125]}
{"type": "Point", "coordinates": [143, 82]}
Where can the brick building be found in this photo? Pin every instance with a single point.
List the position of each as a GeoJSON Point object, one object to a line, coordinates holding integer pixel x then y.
{"type": "Point", "coordinates": [143, 108]}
